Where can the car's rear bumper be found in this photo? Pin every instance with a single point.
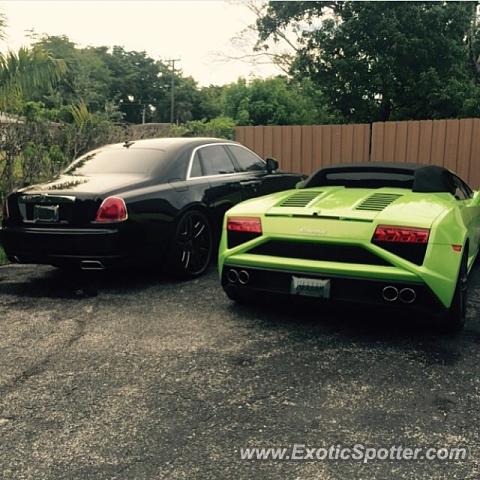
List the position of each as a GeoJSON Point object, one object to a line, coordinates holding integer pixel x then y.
{"type": "Point", "coordinates": [65, 246]}
{"type": "Point", "coordinates": [343, 288]}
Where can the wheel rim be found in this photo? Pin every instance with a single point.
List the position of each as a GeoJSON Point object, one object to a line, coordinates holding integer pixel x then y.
{"type": "Point", "coordinates": [194, 243]}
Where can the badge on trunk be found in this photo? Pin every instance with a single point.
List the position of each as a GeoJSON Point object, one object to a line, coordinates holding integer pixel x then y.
{"type": "Point", "coordinates": [46, 213]}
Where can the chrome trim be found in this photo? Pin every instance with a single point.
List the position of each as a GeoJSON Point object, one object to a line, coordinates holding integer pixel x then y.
{"type": "Point", "coordinates": [412, 295]}
{"type": "Point", "coordinates": [243, 277]}
{"type": "Point", "coordinates": [220, 175]}
{"type": "Point", "coordinates": [91, 265]}
{"type": "Point", "coordinates": [387, 297]}
{"type": "Point", "coordinates": [39, 196]}
{"type": "Point", "coordinates": [232, 275]}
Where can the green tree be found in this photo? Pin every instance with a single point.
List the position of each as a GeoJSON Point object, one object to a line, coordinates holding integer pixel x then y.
{"type": "Point", "coordinates": [25, 71]}
{"type": "Point", "coordinates": [382, 60]}
{"type": "Point", "coordinates": [275, 101]}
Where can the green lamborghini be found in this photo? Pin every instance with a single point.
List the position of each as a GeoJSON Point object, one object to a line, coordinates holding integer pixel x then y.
{"type": "Point", "coordinates": [384, 234]}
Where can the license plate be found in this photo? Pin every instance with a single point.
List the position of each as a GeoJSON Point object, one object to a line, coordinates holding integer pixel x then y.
{"type": "Point", "coordinates": [46, 213]}
{"type": "Point", "coordinates": [310, 287]}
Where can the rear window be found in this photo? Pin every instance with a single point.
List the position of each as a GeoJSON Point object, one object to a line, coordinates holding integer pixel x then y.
{"type": "Point", "coordinates": [138, 161]}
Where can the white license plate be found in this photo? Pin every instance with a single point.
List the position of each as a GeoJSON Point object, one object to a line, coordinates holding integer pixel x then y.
{"type": "Point", "coordinates": [310, 287]}
{"type": "Point", "coordinates": [46, 213]}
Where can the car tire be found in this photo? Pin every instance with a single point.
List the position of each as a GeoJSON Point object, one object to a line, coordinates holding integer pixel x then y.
{"type": "Point", "coordinates": [192, 245]}
{"type": "Point", "coordinates": [455, 318]}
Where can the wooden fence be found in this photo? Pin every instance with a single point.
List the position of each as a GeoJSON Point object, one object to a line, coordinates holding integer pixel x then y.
{"type": "Point", "coordinates": [454, 144]}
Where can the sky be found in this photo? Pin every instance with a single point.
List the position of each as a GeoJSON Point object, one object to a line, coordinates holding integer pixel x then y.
{"type": "Point", "coordinates": [197, 32]}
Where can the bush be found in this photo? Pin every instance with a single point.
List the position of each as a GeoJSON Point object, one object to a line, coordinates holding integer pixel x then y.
{"type": "Point", "coordinates": [223, 127]}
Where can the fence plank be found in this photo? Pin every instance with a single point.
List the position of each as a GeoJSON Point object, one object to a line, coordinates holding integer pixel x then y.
{"type": "Point", "coordinates": [307, 149]}
{"type": "Point", "coordinates": [336, 153]}
{"type": "Point", "coordinates": [438, 142]}
{"type": "Point", "coordinates": [346, 145]}
{"type": "Point", "coordinates": [464, 147]}
{"type": "Point", "coordinates": [474, 170]}
{"type": "Point", "coordinates": [325, 135]}
{"type": "Point", "coordinates": [359, 139]}
{"type": "Point", "coordinates": [377, 142]}
{"type": "Point", "coordinates": [277, 143]}
{"type": "Point", "coordinates": [249, 138]}
{"type": "Point", "coordinates": [296, 149]}
{"type": "Point", "coordinates": [401, 142]}
{"type": "Point", "coordinates": [240, 135]}
{"type": "Point", "coordinates": [287, 147]}
{"type": "Point", "coordinates": [268, 142]}
{"type": "Point", "coordinates": [413, 137]}
{"type": "Point", "coordinates": [390, 132]}
{"type": "Point", "coordinates": [258, 140]}
{"type": "Point", "coordinates": [425, 141]}
{"type": "Point", "coordinates": [451, 144]}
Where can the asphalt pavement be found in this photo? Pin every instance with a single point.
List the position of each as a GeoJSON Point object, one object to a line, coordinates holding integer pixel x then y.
{"type": "Point", "coordinates": [130, 375]}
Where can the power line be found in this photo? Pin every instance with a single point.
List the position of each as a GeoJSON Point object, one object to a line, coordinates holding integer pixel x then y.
{"type": "Point", "coordinates": [172, 61]}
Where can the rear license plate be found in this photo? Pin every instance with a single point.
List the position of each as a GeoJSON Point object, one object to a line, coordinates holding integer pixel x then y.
{"type": "Point", "coordinates": [310, 287]}
{"type": "Point", "coordinates": [46, 213]}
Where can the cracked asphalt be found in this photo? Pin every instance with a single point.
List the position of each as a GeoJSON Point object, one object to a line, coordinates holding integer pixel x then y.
{"type": "Point", "coordinates": [132, 376]}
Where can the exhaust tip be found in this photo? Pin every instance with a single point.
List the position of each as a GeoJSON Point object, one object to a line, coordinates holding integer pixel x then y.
{"type": "Point", "coordinates": [390, 293]}
{"type": "Point", "coordinates": [407, 295]}
{"type": "Point", "coordinates": [243, 277]}
{"type": "Point", "coordinates": [232, 275]}
{"type": "Point", "coordinates": [91, 265]}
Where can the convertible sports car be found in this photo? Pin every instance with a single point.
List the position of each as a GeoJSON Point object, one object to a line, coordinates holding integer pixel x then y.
{"type": "Point", "coordinates": [143, 202]}
{"type": "Point", "coordinates": [385, 234]}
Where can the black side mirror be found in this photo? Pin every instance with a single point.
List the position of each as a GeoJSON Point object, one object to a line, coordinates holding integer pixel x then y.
{"type": "Point", "coordinates": [271, 165]}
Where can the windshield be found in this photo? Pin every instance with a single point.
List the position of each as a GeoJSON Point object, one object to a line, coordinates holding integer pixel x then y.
{"type": "Point", "coordinates": [138, 161]}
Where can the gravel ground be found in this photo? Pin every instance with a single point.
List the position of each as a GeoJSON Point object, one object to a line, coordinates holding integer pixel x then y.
{"type": "Point", "coordinates": [126, 375]}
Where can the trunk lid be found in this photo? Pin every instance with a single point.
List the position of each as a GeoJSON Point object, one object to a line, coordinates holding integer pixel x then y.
{"type": "Point", "coordinates": [68, 200]}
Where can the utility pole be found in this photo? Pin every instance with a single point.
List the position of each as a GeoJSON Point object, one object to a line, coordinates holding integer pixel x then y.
{"type": "Point", "coordinates": [172, 89]}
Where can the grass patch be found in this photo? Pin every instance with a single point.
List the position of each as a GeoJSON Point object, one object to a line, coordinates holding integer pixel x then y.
{"type": "Point", "coordinates": [3, 257]}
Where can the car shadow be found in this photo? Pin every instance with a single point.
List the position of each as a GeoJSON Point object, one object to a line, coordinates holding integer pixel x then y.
{"type": "Point", "coordinates": [49, 282]}
{"type": "Point", "coordinates": [313, 322]}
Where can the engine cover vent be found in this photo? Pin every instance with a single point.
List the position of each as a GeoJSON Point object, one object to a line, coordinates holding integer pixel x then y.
{"type": "Point", "coordinates": [300, 199]}
{"type": "Point", "coordinates": [378, 201]}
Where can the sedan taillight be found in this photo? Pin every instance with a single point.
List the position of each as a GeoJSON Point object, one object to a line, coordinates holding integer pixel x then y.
{"type": "Point", "coordinates": [386, 233]}
{"type": "Point", "coordinates": [112, 209]}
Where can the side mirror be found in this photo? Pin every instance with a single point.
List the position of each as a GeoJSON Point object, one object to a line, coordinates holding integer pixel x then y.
{"type": "Point", "coordinates": [272, 165]}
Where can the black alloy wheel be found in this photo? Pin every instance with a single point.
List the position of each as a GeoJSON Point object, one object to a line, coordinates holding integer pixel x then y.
{"type": "Point", "coordinates": [192, 245]}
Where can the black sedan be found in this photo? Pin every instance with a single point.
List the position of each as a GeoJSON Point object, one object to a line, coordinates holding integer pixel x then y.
{"type": "Point", "coordinates": [141, 202]}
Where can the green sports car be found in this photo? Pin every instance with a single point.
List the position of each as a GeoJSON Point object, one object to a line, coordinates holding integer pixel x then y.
{"type": "Point", "coordinates": [383, 234]}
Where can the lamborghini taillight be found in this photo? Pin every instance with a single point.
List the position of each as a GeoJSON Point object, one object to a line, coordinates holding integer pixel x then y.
{"type": "Point", "coordinates": [242, 229]}
{"type": "Point", "coordinates": [406, 242]}
{"type": "Point", "coordinates": [386, 233]}
{"type": "Point", "coordinates": [244, 224]}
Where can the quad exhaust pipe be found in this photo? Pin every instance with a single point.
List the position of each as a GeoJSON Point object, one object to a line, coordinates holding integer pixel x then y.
{"type": "Point", "coordinates": [392, 294]}
{"type": "Point", "coordinates": [234, 276]}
